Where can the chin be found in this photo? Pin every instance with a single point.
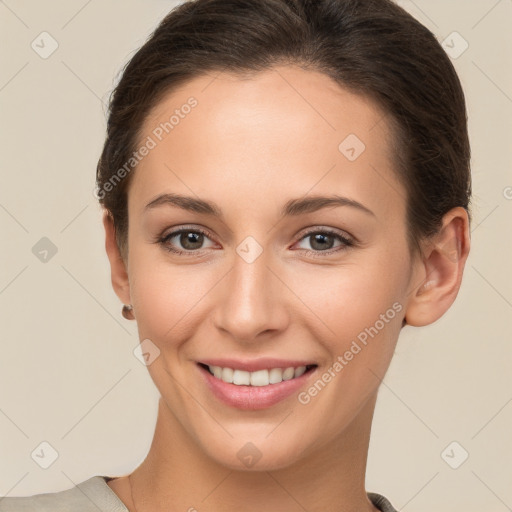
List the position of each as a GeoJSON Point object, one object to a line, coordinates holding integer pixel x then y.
{"type": "Point", "coordinates": [259, 454]}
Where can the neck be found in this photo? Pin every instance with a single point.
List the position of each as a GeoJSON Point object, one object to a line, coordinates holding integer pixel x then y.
{"type": "Point", "coordinates": [177, 475]}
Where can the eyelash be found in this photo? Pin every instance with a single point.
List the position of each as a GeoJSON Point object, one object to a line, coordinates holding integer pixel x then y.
{"type": "Point", "coordinates": [347, 242]}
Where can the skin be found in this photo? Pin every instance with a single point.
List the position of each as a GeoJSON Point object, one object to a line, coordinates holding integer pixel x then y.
{"type": "Point", "coordinates": [249, 146]}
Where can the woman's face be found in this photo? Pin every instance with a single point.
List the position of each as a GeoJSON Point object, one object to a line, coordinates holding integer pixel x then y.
{"type": "Point", "coordinates": [268, 270]}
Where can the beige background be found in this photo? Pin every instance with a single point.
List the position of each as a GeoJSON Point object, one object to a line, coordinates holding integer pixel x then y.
{"type": "Point", "coordinates": [67, 372]}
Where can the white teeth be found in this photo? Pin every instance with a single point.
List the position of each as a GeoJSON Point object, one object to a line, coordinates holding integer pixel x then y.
{"type": "Point", "coordinates": [241, 378]}
{"type": "Point", "coordinates": [227, 375]}
{"type": "Point", "coordinates": [257, 378]}
{"type": "Point", "coordinates": [275, 375]}
{"type": "Point", "coordinates": [288, 373]}
{"type": "Point", "coordinates": [299, 371]}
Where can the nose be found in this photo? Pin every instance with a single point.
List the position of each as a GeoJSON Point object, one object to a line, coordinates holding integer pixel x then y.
{"type": "Point", "coordinates": [252, 301]}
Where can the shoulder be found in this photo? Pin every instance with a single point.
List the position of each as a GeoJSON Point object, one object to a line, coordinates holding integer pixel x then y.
{"type": "Point", "coordinates": [92, 495]}
{"type": "Point", "coordinates": [381, 502]}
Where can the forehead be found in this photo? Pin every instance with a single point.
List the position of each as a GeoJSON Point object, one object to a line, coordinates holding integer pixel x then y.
{"type": "Point", "coordinates": [283, 131]}
{"type": "Point", "coordinates": [285, 93]}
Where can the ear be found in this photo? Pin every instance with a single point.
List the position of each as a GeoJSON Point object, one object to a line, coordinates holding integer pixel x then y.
{"type": "Point", "coordinates": [439, 273]}
{"type": "Point", "coordinates": [119, 275]}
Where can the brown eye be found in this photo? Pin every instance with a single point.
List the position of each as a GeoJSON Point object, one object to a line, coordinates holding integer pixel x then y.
{"type": "Point", "coordinates": [185, 240]}
{"type": "Point", "coordinates": [191, 240]}
{"type": "Point", "coordinates": [321, 241]}
{"type": "Point", "coordinates": [324, 241]}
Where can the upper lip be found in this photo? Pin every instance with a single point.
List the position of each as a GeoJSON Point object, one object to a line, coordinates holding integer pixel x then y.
{"type": "Point", "coordinates": [265, 363]}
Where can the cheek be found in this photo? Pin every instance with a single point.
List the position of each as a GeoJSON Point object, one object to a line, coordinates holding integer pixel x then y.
{"type": "Point", "coordinates": [349, 298]}
{"type": "Point", "coordinates": [167, 298]}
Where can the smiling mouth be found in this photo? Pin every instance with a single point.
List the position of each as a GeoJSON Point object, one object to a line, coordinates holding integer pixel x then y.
{"type": "Point", "coordinates": [258, 378]}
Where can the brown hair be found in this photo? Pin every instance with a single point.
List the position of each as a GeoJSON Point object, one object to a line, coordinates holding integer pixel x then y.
{"type": "Point", "coordinates": [371, 47]}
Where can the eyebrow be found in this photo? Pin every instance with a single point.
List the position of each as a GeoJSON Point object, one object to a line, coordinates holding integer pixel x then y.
{"type": "Point", "coordinates": [293, 207]}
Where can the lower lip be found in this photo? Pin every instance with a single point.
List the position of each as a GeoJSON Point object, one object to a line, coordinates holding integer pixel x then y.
{"type": "Point", "coordinates": [253, 397]}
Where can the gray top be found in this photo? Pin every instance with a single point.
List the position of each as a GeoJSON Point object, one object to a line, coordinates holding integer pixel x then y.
{"type": "Point", "coordinates": [94, 495]}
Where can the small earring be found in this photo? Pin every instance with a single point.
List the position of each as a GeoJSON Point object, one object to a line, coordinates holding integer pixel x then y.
{"type": "Point", "coordinates": [127, 312]}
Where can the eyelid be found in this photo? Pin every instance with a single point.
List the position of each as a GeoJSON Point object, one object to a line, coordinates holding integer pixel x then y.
{"type": "Point", "coordinates": [175, 230]}
{"type": "Point", "coordinates": [325, 229]}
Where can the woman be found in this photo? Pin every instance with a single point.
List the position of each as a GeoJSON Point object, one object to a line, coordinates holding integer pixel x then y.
{"type": "Point", "coordinates": [286, 184]}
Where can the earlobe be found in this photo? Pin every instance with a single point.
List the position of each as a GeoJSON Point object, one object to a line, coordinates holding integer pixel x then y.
{"type": "Point", "coordinates": [440, 270]}
{"type": "Point", "coordinates": [119, 274]}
